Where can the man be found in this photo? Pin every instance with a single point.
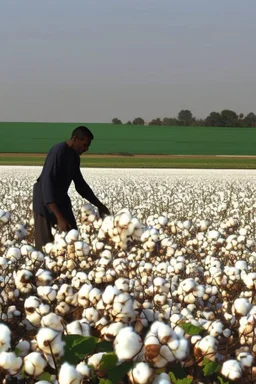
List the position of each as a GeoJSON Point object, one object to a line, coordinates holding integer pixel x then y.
{"type": "Point", "coordinates": [51, 203]}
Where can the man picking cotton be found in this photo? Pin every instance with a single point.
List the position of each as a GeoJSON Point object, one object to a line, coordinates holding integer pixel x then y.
{"type": "Point", "coordinates": [51, 203]}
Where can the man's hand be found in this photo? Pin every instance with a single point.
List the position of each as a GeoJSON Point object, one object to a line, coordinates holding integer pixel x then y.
{"type": "Point", "coordinates": [103, 211]}
{"type": "Point", "coordinates": [63, 224]}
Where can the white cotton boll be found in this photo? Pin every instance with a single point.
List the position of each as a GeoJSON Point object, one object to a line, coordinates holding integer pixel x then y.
{"type": "Point", "coordinates": [78, 328]}
{"type": "Point", "coordinates": [95, 359]}
{"type": "Point", "coordinates": [127, 344]}
{"type": "Point", "coordinates": [241, 306]}
{"type": "Point", "coordinates": [13, 253]}
{"type": "Point", "coordinates": [213, 235]}
{"type": "Point", "coordinates": [227, 333]}
{"type": "Point", "coordinates": [163, 378]}
{"type": "Point", "coordinates": [52, 321]}
{"type": "Point", "coordinates": [68, 374]}
{"type": "Point", "coordinates": [47, 293]}
{"type": "Point", "coordinates": [245, 359]}
{"type": "Point", "coordinates": [34, 364]}
{"type": "Point", "coordinates": [231, 369]}
{"type": "Point", "coordinates": [72, 236]}
{"type": "Point", "coordinates": [5, 338]}
{"type": "Point", "coordinates": [109, 294]}
{"type": "Point", "coordinates": [50, 341]}
{"type": "Point", "coordinates": [91, 314]}
{"type": "Point", "coordinates": [3, 263]}
{"type": "Point", "coordinates": [10, 362]}
{"type": "Point", "coordinates": [142, 373]}
{"type": "Point", "coordinates": [110, 331]}
{"type": "Point", "coordinates": [83, 369]}
{"type": "Point", "coordinates": [242, 265]}
{"type": "Point", "coordinates": [242, 231]}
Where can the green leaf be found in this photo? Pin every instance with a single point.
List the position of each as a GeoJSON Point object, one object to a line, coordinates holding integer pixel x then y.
{"type": "Point", "coordinates": [186, 380]}
{"type": "Point", "coordinates": [117, 374]}
{"type": "Point", "coordinates": [77, 347]}
{"type": "Point", "coordinates": [221, 381]}
{"type": "Point", "coordinates": [104, 346]}
{"type": "Point", "coordinates": [45, 376]}
{"type": "Point", "coordinates": [191, 329]}
{"type": "Point", "coordinates": [105, 381]}
{"type": "Point", "coordinates": [210, 367]}
{"type": "Point", "coordinates": [17, 351]}
{"type": "Point", "coordinates": [178, 371]}
{"type": "Point", "coordinates": [108, 361]}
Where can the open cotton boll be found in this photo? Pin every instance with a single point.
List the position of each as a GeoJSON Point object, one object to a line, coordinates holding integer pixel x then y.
{"type": "Point", "coordinates": [34, 364]}
{"type": "Point", "coordinates": [109, 294]}
{"type": "Point", "coordinates": [95, 360]}
{"type": "Point", "coordinates": [142, 373]}
{"type": "Point", "coordinates": [50, 341]}
{"type": "Point", "coordinates": [47, 293]}
{"type": "Point", "coordinates": [245, 359]}
{"type": "Point", "coordinates": [232, 369]}
{"type": "Point", "coordinates": [72, 236]}
{"type": "Point", "coordinates": [13, 254]}
{"type": "Point", "coordinates": [241, 307]}
{"type": "Point", "coordinates": [52, 321]}
{"type": "Point", "coordinates": [127, 344]}
{"type": "Point", "coordinates": [5, 338]}
{"type": "Point", "coordinates": [78, 327]}
{"type": "Point", "coordinates": [10, 362]}
{"type": "Point", "coordinates": [84, 370]}
{"type": "Point", "coordinates": [68, 374]}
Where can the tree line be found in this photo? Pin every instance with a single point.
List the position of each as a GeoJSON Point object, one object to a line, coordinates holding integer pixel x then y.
{"type": "Point", "coordinates": [225, 118]}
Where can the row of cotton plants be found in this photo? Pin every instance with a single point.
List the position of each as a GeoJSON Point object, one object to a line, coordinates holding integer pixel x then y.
{"type": "Point", "coordinates": [162, 291]}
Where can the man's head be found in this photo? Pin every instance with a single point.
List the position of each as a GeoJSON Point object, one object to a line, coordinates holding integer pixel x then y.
{"type": "Point", "coordinates": [81, 139]}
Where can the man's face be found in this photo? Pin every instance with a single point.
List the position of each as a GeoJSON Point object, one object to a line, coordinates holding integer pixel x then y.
{"type": "Point", "coordinates": [81, 145]}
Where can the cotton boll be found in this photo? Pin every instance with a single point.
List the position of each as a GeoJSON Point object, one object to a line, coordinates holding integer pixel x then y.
{"type": "Point", "coordinates": [245, 359]}
{"type": "Point", "coordinates": [78, 328]}
{"type": "Point", "coordinates": [84, 370]}
{"type": "Point", "coordinates": [50, 341]}
{"type": "Point", "coordinates": [127, 344]}
{"type": "Point", "coordinates": [95, 360]}
{"type": "Point", "coordinates": [142, 373]}
{"type": "Point", "coordinates": [5, 338]}
{"type": "Point", "coordinates": [232, 370]}
{"type": "Point", "coordinates": [110, 331]}
{"type": "Point", "coordinates": [10, 362]}
{"type": "Point", "coordinates": [34, 364]}
{"type": "Point", "coordinates": [13, 254]}
{"type": "Point", "coordinates": [72, 236]}
{"type": "Point", "coordinates": [68, 374]}
{"type": "Point", "coordinates": [47, 293]}
{"type": "Point", "coordinates": [52, 321]}
{"type": "Point", "coordinates": [241, 307]}
{"type": "Point", "coordinates": [91, 315]}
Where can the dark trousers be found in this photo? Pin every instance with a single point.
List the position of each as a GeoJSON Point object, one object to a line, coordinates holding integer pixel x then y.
{"type": "Point", "coordinates": [44, 224]}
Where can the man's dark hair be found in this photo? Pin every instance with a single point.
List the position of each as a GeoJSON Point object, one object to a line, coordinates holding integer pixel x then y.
{"type": "Point", "coordinates": [81, 132]}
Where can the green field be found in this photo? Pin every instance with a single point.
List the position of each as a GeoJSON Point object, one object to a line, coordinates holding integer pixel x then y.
{"type": "Point", "coordinates": [144, 162]}
{"type": "Point", "coordinates": [130, 139]}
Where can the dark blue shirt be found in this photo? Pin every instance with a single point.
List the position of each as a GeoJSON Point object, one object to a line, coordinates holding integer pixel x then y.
{"type": "Point", "coordinates": [61, 167]}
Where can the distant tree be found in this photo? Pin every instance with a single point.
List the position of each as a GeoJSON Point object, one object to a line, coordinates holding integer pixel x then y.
{"type": "Point", "coordinates": [170, 121]}
{"type": "Point", "coordinates": [249, 120]}
{"type": "Point", "coordinates": [156, 121]}
{"type": "Point", "coordinates": [116, 121]}
{"type": "Point", "coordinates": [213, 120]}
{"type": "Point", "coordinates": [229, 118]}
{"type": "Point", "coordinates": [185, 116]}
{"type": "Point", "coordinates": [129, 122]}
{"type": "Point", "coordinates": [138, 121]}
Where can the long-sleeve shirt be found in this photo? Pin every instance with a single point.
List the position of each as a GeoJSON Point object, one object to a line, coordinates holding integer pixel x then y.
{"type": "Point", "coordinates": [61, 167]}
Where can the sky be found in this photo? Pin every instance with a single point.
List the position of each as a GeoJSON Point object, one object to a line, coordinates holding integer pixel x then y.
{"type": "Point", "coordinates": [93, 60]}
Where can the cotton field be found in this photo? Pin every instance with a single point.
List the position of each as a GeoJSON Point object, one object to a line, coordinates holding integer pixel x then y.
{"type": "Point", "coordinates": [162, 291]}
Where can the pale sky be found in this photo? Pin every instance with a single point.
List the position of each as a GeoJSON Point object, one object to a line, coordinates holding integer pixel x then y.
{"type": "Point", "coordinates": [92, 60]}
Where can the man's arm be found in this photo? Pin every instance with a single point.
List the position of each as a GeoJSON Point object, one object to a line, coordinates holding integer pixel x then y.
{"type": "Point", "coordinates": [87, 193]}
{"type": "Point", "coordinates": [62, 223]}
